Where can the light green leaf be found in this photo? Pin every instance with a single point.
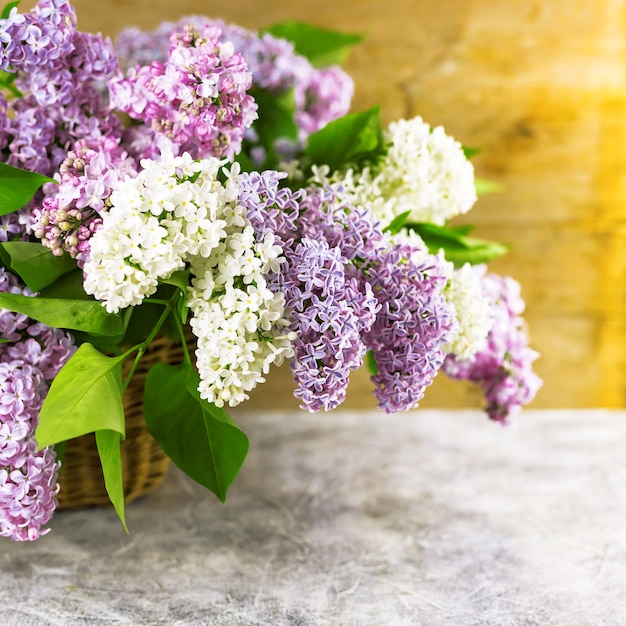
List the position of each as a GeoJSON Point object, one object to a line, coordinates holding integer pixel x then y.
{"type": "Point", "coordinates": [36, 265]}
{"type": "Point", "coordinates": [320, 46]}
{"type": "Point", "coordinates": [6, 11]}
{"type": "Point", "coordinates": [471, 152]}
{"type": "Point", "coordinates": [201, 439]}
{"type": "Point", "coordinates": [396, 224]}
{"type": "Point", "coordinates": [85, 397]}
{"type": "Point", "coordinates": [348, 139]}
{"type": "Point", "coordinates": [17, 187]}
{"type": "Point", "coordinates": [457, 246]}
{"type": "Point", "coordinates": [484, 187]}
{"type": "Point", "coordinates": [85, 315]}
{"type": "Point", "coordinates": [179, 279]}
{"type": "Point", "coordinates": [108, 443]}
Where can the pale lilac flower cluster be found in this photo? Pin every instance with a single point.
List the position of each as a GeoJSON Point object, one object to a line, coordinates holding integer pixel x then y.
{"type": "Point", "coordinates": [321, 94]}
{"type": "Point", "coordinates": [349, 288]}
{"type": "Point", "coordinates": [504, 366]}
{"type": "Point", "coordinates": [29, 361]}
{"type": "Point", "coordinates": [196, 100]}
{"type": "Point", "coordinates": [71, 210]}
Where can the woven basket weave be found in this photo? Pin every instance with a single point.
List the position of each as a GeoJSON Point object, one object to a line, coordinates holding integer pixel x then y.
{"type": "Point", "coordinates": [144, 463]}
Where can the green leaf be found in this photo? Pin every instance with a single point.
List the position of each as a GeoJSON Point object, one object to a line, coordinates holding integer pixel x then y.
{"type": "Point", "coordinates": [7, 9]}
{"type": "Point", "coordinates": [461, 229]}
{"type": "Point", "coordinates": [85, 396]}
{"type": "Point", "coordinates": [370, 360]}
{"type": "Point", "coordinates": [276, 121]}
{"type": "Point", "coordinates": [66, 287]}
{"type": "Point", "coordinates": [348, 139]}
{"type": "Point", "coordinates": [320, 46]}
{"type": "Point", "coordinates": [458, 247]}
{"type": "Point", "coordinates": [108, 444]}
{"type": "Point", "coordinates": [179, 279]}
{"type": "Point", "coordinates": [484, 187]}
{"type": "Point", "coordinates": [36, 265]}
{"type": "Point", "coordinates": [470, 152]}
{"type": "Point", "coordinates": [85, 315]}
{"type": "Point", "coordinates": [17, 187]}
{"type": "Point", "coordinates": [201, 439]}
{"type": "Point", "coordinates": [397, 223]}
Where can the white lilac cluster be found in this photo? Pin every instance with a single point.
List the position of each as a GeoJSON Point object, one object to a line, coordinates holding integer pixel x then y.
{"type": "Point", "coordinates": [423, 171]}
{"type": "Point", "coordinates": [176, 214]}
{"type": "Point", "coordinates": [472, 309]}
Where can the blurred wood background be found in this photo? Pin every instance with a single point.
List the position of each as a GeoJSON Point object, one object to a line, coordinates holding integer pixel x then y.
{"type": "Point", "coordinates": [540, 87]}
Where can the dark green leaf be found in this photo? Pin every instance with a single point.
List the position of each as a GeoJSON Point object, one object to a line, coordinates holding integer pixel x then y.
{"type": "Point", "coordinates": [276, 121]}
{"type": "Point", "coordinates": [458, 247]}
{"type": "Point", "coordinates": [320, 46]}
{"type": "Point", "coordinates": [36, 265]}
{"type": "Point", "coordinates": [17, 187]}
{"type": "Point", "coordinates": [59, 449]}
{"type": "Point", "coordinates": [108, 443]}
{"type": "Point", "coordinates": [67, 287]}
{"type": "Point", "coordinates": [348, 139]}
{"type": "Point", "coordinates": [85, 397]}
{"type": "Point", "coordinates": [85, 315]}
{"type": "Point", "coordinates": [201, 439]}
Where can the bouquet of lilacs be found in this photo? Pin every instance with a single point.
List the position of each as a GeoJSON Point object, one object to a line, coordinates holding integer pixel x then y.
{"type": "Point", "coordinates": [208, 183]}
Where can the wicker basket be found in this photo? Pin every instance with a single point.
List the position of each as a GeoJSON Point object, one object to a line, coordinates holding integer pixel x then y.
{"type": "Point", "coordinates": [144, 463]}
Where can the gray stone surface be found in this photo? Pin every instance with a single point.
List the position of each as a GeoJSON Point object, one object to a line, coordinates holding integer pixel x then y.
{"type": "Point", "coordinates": [429, 518]}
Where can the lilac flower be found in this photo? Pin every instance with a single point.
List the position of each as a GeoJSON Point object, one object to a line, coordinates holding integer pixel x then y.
{"type": "Point", "coordinates": [70, 212]}
{"type": "Point", "coordinates": [28, 479]}
{"type": "Point", "coordinates": [412, 327]}
{"type": "Point", "coordinates": [60, 72]}
{"type": "Point", "coordinates": [28, 362]}
{"type": "Point", "coordinates": [197, 98]}
{"type": "Point", "coordinates": [504, 366]}
{"type": "Point", "coordinates": [52, 59]}
{"type": "Point", "coordinates": [351, 289]}
{"type": "Point", "coordinates": [321, 95]}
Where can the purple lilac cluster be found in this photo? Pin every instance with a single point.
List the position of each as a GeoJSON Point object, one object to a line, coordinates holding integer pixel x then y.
{"type": "Point", "coordinates": [71, 210]}
{"type": "Point", "coordinates": [59, 72]}
{"type": "Point", "coordinates": [504, 366]}
{"type": "Point", "coordinates": [321, 95]}
{"type": "Point", "coordinates": [29, 361]}
{"type": "Point", "coordinates": [415, 323]}
{"type": "Point", "coordinates": [196, 99]}
{"type": "Point", "coordinates": [349, 288]}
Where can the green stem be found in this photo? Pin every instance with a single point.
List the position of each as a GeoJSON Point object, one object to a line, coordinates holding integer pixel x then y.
{"type": "Point", "coordinates": [140, 348]}
{"type": "Point", "coordinates": [181, 332]}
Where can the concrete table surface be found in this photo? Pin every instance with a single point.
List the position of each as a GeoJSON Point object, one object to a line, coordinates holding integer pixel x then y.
{"type": "Point", "coordinates": [433, 517]}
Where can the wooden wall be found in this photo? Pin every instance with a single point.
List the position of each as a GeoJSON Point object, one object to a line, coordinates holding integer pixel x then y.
{"type": "Point", "coordinates": [540, 87]}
